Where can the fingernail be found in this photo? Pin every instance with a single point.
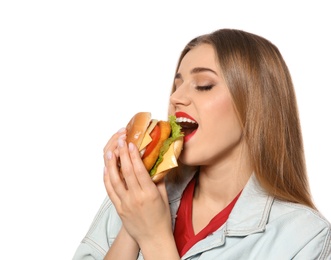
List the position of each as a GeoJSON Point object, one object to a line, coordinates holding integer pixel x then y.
{"type": "Point", "coordinates": [131, 147]}
{"type": "Point", "coordinates": [109, 155]}
{"type": "Point", "coordinates": [121, 130]}
{"type": "Point", "coordinates": [120, 142]}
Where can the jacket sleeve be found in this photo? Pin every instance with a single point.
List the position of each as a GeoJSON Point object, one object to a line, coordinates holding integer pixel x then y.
{"type": "Point", "coordinates": [101, 234]}
{"type": "Point", "coordinates": [319, 247]}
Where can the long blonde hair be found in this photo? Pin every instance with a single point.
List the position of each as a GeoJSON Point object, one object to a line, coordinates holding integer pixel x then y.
{"type": "Point", "coordinates": [263, 95]}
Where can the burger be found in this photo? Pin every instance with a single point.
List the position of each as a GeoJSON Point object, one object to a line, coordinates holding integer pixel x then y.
{"type": "Point", "coordinates": [159, 143]}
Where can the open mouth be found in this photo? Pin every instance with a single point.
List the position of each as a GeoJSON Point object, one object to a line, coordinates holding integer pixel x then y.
{"type": "Point", "coordinates": [189, 126]}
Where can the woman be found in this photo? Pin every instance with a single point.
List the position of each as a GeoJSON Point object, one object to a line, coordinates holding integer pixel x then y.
{"type": "Point", "coordinates": [241, 191]}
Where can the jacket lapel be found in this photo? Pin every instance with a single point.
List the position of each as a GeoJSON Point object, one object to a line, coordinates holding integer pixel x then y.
{"type": "Point", "coordinates": [251, 212]}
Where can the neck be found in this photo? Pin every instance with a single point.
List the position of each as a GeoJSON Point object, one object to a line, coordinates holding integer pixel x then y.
{"type": "Point", "coordinates": [220, 189]}
{"type": "Point", "coordinates": [221, 182]}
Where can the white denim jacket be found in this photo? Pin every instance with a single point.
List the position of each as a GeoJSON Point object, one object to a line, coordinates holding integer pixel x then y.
{"type": "Point", "coordinates": [259, 227]}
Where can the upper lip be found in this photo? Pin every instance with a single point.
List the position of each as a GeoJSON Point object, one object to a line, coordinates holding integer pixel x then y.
{"type": "Point", "coordinates": [184, 115]}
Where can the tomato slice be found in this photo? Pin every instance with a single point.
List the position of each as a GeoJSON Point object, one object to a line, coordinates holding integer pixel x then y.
{"type": "Point", "coordinates": [155, 135]}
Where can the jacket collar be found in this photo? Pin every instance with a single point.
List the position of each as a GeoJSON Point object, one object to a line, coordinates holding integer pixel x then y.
{"type": "Point", "coordinates": [251, 212]}
{"type": "Point", "coordinates": [249, 215]}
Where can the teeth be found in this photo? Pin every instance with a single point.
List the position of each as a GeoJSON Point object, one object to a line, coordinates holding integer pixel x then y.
{"type": "Point", "coordinates": [184, 119]}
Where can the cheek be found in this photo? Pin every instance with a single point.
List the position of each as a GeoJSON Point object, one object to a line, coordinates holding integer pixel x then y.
{"type": "Point", "coordinates": [223, 118]}
{"type": "Point", "coordinates": [220, 107]}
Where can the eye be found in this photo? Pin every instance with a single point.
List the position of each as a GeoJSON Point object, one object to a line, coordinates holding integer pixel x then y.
{"type": "Point", "coordinates": [204, 88]}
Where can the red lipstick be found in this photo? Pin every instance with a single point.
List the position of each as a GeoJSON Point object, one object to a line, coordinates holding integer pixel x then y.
{"type": "Point", "coordinates": [182, 114]}
{"type": "Point", "coordinates": [188, 123]}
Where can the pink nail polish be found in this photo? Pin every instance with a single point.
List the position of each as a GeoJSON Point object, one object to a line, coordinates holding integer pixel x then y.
{"type": "Point", "coordinates": [109, 155]}
{"type": "Point", "coordinates": [120, 142]}
{"type": "Point", "coordinates": [131, 147]}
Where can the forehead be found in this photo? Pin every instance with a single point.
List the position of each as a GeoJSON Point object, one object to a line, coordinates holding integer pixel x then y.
{"type": "Point", "coordinates": [200, 56]}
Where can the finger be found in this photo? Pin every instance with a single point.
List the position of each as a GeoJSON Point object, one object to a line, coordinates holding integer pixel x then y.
{"type": "Point", "coordinates": [112, 143]}
{"type": "Point", "coordinates": [139, 168]}
{"type": "Point", "coordinates": [115, 153]}
{"type": "Point", "coordinates": [109, 188]}
{"type": "Point", "coordinates": [114, 175]}
{"type": "Point", "coordinates": [113, 148]}
{"type": "Point", "coordinates": [127, 167]}
{"type": "Point", "coordinates": [115, 136]}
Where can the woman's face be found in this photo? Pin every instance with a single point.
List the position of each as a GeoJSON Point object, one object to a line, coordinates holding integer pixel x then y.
{"type": "Point", "coordinates": [213, 132]}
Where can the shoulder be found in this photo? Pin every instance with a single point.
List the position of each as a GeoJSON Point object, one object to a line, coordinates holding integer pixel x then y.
{"type": "Point", "coordinates": [301, 224]}
{"type": "Point", "coordinates": [297, 214]}
{"type": "Point", "coordinates": [102, 232]}
{"type": "Point", "coordinates": [106, 222]}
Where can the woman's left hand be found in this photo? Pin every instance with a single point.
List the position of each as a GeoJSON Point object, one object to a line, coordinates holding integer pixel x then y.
{"type": "Point", "coordinates": [142, 205]}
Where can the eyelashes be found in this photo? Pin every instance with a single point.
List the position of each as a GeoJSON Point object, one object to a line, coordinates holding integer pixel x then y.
{"type": "Point", "coordinates": [199, 87]}
{"type": "Point", "coordinates": [204, 88]}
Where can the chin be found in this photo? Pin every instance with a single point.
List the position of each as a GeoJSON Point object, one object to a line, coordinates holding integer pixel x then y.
{"type": "Point", "coordinates": [189, 159]}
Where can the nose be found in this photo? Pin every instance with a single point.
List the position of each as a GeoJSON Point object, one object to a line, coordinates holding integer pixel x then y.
{"type": "Point", "coordinates": [180, 97]}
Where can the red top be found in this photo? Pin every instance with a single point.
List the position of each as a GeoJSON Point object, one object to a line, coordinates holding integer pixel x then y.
{"type": "Point", "coordinates": [184, 233]}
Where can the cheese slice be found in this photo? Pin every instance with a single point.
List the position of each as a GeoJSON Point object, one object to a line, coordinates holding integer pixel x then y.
{"type": "Point", "coordinates": [147, 138]}
{"type": "Point", "coordinates": [169, 160]}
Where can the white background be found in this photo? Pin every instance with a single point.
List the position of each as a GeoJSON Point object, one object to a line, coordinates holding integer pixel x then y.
{"type": "Point", "coordinates": [73, 72]}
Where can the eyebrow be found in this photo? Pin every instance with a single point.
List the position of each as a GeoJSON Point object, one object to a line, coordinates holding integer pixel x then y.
{"type": "Point", "coordinates": [197, 70]}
